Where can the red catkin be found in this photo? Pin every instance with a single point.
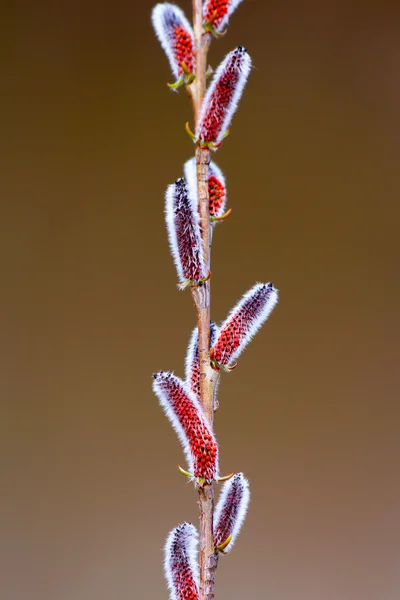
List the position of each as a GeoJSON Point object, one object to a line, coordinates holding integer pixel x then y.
{"type": "Point", "coordinates": [183, 46]}
{"type": "Point", "coordinates": [216, 187]}
{"type": "Point", "coordinates": [186, 416]}
{"type": "Point", "coordinates": [216, 192]}
{"type": "Point", "coordinates": [217, 12]}
{"type": "Point", "coordinates": [223, 95]}
{"type": "Point", "coordinates": [192, 367]}
{"type": "Point", "coordinates": [243, 322]}
{"type": "Point", "coordinates": [176, 36]}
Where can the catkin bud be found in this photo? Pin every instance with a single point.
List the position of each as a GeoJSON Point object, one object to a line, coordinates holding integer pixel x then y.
{"type": "Point", "coordinates": [222, 97]}
{"type": "Point", "coordinates": [183, 226]}
{"type": "Point", "coordinates": [231, 510]}
{"type": "Point", "coordinates": [176, 36]}
{"type": "Point", "coordinates": [216, 187]}
{"type": "Point", "coordinates": [217, 12]}
{"type": "Point", "coordinates": [243, 322]}
{"type": "Point", "coordinates": [216, 191]}
{"type": "Point", "coordinates": [192, 366]}
{"type": "Point", "coordinates": [180, 564]}
{"type": "Point", "coordinates": [187, 418]}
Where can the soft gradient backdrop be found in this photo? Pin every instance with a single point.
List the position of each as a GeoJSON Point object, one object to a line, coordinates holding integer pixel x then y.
{"type": "Point", "coordinates": [90, 138]}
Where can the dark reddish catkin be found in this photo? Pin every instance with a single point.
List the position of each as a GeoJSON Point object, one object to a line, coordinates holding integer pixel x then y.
{"type": "Point", "coordinates": [222, 97]}
{"type": "Point", "coordinates": [183, 226]}
{"type": "Point", "coordinates": [231, 509]}
{"type": "Point", "coordinates": [180, 564]}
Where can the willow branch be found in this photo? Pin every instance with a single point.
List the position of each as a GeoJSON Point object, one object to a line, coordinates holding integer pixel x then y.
{"type": "Point", "coordinates": [201, 296]}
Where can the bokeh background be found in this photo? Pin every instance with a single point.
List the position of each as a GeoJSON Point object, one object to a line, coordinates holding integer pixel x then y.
{"type": "Point", "coordinates": [90, 138]}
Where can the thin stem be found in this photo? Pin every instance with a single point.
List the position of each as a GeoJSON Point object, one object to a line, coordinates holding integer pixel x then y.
{"type": "Point", "coordinates": [201, 296]}
{"type": "Point", "coordinates": [202, 41]}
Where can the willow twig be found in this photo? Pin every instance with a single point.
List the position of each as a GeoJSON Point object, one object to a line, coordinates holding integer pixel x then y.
{"type": "Point", "coordinates": [201, 296]}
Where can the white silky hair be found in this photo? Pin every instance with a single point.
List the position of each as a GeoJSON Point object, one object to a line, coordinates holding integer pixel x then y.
{"type": "Point", "coordinates": [242, 506]}
{"type": "Point", "coordinates": [233, 105]}
{"type": "Point", "coordinates": [190, 541]}
{"type": "Point", "coordinates": [189, 170]}
{"type": "Point", "coordinates": [189, 360]}
{"type": "Point", "coordinates": [161, 14]}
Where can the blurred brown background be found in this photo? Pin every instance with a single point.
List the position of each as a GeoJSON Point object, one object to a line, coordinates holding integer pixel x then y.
{"type": "Point", "coordinates": [90, 137]}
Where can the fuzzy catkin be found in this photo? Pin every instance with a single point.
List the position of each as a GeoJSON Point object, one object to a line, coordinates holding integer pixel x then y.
{"type": "Point", "coordinates": [243, 322]}
{"type": "Point", "coordinates": [217, 12]}
{"type": "Point", "coordinates": [223, 95]}
{"type": "Point", "coordinates": [187, 418]}
{"type": "Point", "coordinates": [184, 234]}
{"type": "Point", "coordinates": [176, 37]}
{"type": "Point", "coordinates": [231, 510]}
{"type": "Point", "coordinates": [180, 564]}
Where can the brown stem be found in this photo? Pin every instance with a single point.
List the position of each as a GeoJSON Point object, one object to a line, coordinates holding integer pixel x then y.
{"type": "Point", "coordinates": [201, 296]}
{"type": "Point", "coordinates": [202, 41]}
{"type": "Point", "coordinates": [209, 560]}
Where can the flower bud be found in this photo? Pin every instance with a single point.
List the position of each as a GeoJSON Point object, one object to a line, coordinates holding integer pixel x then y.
{"type": "Point", "coordinates": [176, 36]}
{"type": "Point", "coordinates": [216, 191]}
{"type": "Point", "coordinates": [183, 226]}
{"type": "Point", "coordinates": [231, 510]}
{"type": "Point", "coordinates": [216, 186]}
{"type": "Point", "coordinates": [243, 322]}
{"type": "Point", "coordinates": [217, 12]}
{"type": "Point", "coordinates": [222, 97]}
{"type": "Point", "coordinates": [187, 418]}
{"type": "Point", "coordinates": [180, 564]}
{"type": "Point", "coordinates": [192, 366]}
